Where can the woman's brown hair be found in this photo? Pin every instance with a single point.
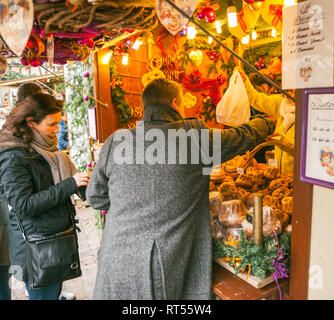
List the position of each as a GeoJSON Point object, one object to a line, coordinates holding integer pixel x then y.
{"type": "Point", "coordinates": [37, 106]}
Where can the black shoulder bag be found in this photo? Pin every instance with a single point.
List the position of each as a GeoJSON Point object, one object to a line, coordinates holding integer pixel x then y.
{"type": "Point", "coordinates": [52, 258]}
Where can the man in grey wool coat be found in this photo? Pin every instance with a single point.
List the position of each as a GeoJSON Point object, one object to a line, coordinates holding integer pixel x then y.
{"type": "Point", "coordinates": [153, 181]}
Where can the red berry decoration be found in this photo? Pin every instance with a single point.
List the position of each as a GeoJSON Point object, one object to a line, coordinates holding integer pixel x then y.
{"type": "Point", "coordinates": [221, 79]}
{"type": "Point", "coordinates": [35, 63]}
{"type": "Point", "coordinates": [24, 62]}
{"type": "Point", "coordinates": [30, 44]}
{"type": "Point", "coordinates": [200, 14]}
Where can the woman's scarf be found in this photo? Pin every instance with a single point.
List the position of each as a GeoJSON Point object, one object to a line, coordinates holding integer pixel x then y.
{"type": "Point", "coordinates": [61, 165]}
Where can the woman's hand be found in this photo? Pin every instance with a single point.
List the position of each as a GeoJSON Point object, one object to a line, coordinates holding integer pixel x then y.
{"type": "Point", "coordinates": [81, 178]}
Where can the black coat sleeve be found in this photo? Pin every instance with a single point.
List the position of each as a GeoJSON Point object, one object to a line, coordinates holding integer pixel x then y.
{"type": "Point", "coordinates": [17, 188]}
{"type": "Point", "coordinates": [219, 146]}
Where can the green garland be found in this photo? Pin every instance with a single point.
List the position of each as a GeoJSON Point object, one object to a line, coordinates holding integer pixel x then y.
{"type": "Point", "coordinates": [259, 258]}
{"type": "Point", "coordinates": [118, 94]}
{"type": "Point", "coordinates": [77, 106]}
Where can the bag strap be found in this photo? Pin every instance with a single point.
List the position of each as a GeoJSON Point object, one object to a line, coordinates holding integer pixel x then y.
{"type": "Point", "coordinates": [72, 217]}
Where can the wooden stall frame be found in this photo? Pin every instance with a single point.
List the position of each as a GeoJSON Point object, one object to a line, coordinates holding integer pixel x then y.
{"type": "Point", "coordinates": [301, 219]}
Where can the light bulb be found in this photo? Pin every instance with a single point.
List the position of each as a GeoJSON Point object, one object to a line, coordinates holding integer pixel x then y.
{"type": "Point", "coordinates": [137, 44]}
{"type": "Point", "coordinates": [254, 35]}
{"type": "Point", "coordinates": [273, 33]}
{"type": "Point", "coordinates": [106, 57]}
{"type": "Point", "coordinates": [218, 27]}
{"type": "Point", "coordinates": [245, 39]}
{"type": "Point", "coordinates": [232, 17]}
{"type": "Point", "coordinates": [191, 32]}
{"type": "Point", "coordinates": [125, 59]}
{"type": "Point", "coordinates": [210, 40]}
{"type": "Point", "coordinates": [289, 3]}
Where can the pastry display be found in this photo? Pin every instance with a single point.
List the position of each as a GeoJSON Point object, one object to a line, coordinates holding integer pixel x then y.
{"type": "Point", "coordinates": [281, 192]}
{"type": "Point", "coordinates": [270, 201]}
{"type": "Point", "coordinates": [271, 173]}
{"type": "Point", "coordinates": [244, 181]}
{"type": "Point", "coordinates": [217, 173]}
{"type": "Point", "coordinates": [215, 203]}
{"type": "Point", "coordinates": [233, 213]}
{"type": "Point", "coordinates": [212, 186]}
{"type": "Point", "coordinates": [282, 216]}
{"type": "Point", "coordinates": [228, 190]}
{"type": "Point", "coordinates": [238, 190]}
{"type": "Point", "coordinates": [278, 183]}
{"type": "Point", "coordinates": [287, 204]}
{"type": "Point", "coordinates": [271, 224]}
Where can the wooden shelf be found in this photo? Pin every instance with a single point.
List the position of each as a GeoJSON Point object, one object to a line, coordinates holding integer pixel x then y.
{"type": "Point", "coordinates": [228, 287]}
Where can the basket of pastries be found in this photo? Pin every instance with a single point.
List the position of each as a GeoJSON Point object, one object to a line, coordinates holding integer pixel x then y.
{"type": "Point", "coordinates": [236, 181]}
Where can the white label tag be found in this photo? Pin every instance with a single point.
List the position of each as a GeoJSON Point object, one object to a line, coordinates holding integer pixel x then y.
{"type": "Point", "coordinates": [272, 163]}
{"type": "Point", "coordinates": [240, 170]}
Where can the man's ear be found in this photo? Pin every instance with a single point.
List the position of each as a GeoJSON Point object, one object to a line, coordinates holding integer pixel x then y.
{"type": "Point", "coordinates": [174, 104]}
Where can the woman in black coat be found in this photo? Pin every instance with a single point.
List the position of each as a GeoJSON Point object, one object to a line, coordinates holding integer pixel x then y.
{"type": "Point", "coordinates": [36, 180]}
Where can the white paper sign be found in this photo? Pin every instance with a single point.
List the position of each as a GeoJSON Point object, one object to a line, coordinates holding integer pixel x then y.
{"type": "Point", "coordinates": [92, 123]}
{"type": "Point", "coordinates": [320, 137]}
{"type": "Point", "coordinates": [307, 45]}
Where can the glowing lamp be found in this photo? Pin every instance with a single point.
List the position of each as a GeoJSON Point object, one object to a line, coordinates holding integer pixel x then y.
{"type": "Point", "coordinates": [125, 59]}
{"type": "Point", "coordinates": [232, 16]}
{"type": "Point", "coordinates": [106, 57]}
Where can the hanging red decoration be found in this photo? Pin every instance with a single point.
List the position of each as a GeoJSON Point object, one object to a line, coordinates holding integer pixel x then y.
{"type": "Point", "coordinates": [210, 15]}
{"type": "Point", "coordinates": [200, 14]}
{"type": "Point", "coordinates": [255, 4]}
{"type": "Point", "coordinates": [259, 64]}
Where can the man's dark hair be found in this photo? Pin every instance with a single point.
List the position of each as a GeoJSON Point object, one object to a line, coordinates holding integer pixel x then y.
{"type": "Point", "coordinates": [28, 89]}
{"type": "Point", "coordinates": [162, 91]}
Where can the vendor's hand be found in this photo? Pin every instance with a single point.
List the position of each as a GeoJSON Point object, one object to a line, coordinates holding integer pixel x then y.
{"type": "Point", "coordinates": [242, 73]}
{"type": "Point", "coordinates": [81, 178]}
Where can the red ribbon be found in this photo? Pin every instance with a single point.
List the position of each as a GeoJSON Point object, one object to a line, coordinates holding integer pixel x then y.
{"type": "Point", "coordinates": [162, 35]}
{"type": "Point", "coordinates": [276, 10]}
{"type": "Point", "coordinates": [203, 84]}
{"type": "Point", "coordinates": [242, 21]}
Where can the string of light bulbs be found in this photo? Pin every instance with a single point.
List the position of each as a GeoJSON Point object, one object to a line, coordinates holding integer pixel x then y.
{"type": "Point", "coordinates": [229, 50]}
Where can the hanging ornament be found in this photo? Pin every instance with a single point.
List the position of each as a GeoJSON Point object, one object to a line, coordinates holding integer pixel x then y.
{"type": "Point", "coordinates": [259, 64]}
{"type": "Point", "coordinates": [200, 14]}
{"type": "Point", "coordinates": [272, 13]}
{"type": "Point", "coordinates": [209, 14]}
{"type": "Point", "coordinates": [249, 16]}
{"type": "Point", "coordinates": [255, 4]}
{"type": "Point", "coordinates": [170, 18]}
{"type": "Point", "coordinates": [16, 21]}
{"type": "Point", "coordinates": [3, 65]}
{"type": "Point", "coordinates": [237, 31]}
{"type": "Point", "coordinates": [189, 100]}
{"type": "Point", "coordinates": [196, 56]}
{"type": "Point", "coordinates": [50, 49]}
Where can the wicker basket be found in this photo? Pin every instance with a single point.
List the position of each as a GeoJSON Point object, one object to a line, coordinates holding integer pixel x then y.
{"type": "Point", "coordinates": [282, 143]}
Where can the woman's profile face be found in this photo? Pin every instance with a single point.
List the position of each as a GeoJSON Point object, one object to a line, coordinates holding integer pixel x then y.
{"type": "Point", "coordinates": [48, 126]}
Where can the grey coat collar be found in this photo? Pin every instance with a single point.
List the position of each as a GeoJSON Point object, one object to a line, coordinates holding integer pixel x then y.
{"type": "Point", "coordinates": [160, 113]}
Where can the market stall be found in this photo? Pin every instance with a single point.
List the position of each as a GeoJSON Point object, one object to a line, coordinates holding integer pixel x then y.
{"type": "Point", "coordinates": [139, 41]}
